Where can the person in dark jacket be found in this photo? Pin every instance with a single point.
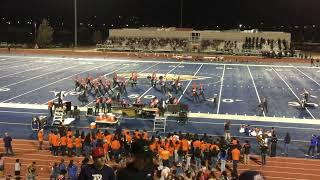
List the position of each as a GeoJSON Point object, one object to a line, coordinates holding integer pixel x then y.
{"type": "Point", "coordinates": [264, 152]}
{"type": "Point", "coordinates": [7, 144]}
{"type": "Point", "coordinates": [287, 140]}
{"type": "Point", "coordinates": [312, 146]}
{"type": "Point", "coordinates": [97, 170]}
{"type": "Point", "coordinates": [274, 141]}
{"type": "Point", "coordinates": [142, 165]}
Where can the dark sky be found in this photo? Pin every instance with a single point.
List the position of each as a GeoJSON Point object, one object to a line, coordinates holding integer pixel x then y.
{"type": "Point", "coordinates": [167, 12]}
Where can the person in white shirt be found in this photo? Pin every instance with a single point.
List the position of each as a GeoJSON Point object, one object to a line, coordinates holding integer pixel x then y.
{"type": "Point", "coordinates": [17, 169]}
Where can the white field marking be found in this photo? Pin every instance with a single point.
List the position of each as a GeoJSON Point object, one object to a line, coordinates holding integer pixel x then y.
{"type": "Point", "coordinates": [253, 125]}
{"type": "Point", "coordinates": [73, 89]}
{"type": "Point", "coordinates": [34, 77]}
{"type": "Point", "coordinates": [254, 118]}
{"type": "Point", "coordinates": [21, 112]}
{"type": "Point", "coordinates": [51, 83]}
{"type": "Point", "coordinates": [307, 76]}
{"type": "Point", "coordinates": [222, 79]}
{"type": "Point", "coordinates": [19, 72]}
{"type": "Point", "coordinates": [3, 59]}
{"type": "Point", "coordinates": [292, 91]}
{"type": "Point", "coordinates": [115, 87]}
{"type": "Point", "coordinates": [164, 75]}
{"type": "Point", "coordinates": [185, 89]}
{"type": "Point", "coordinates": [15, 62]}
{"type": "Point", "coordinates": [143, 61]}
{"type": "Point", "coordinates": [23, 106]}
{"type": "Point", "coordinates": [11, 67]}
{"type": "Point", "coordinates": [255, 88]}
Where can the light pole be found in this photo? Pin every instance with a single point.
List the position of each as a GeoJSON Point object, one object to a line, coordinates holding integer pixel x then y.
{"type": "Point", "coordinates": [181, 13]}
{"type": "Point", "coordinates": [35, 32]}
{"type": "Point", "coordinates": [75, 24]}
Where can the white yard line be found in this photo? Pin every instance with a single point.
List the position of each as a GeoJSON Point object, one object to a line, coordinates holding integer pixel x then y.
{"type": "Point", "coordinates": [221, 85]}
{"type": "Point", "coordinates": [164, 75]}
{"type": "Point", "coordinates": [34, 77]}
{"type": "Point", "coordinates": [292, 91]}
{"type": "Point", "coordinates": [51, 84]}
{"type": "Point", "coordinates": [189, 82]}
{"type": "Point", "coordinates": [19, 72]}
{"type": "Point", "coordinates": [307, 76]}
{"type": "Point", "coordinates": [255, 88]}
{"type": "Point", "coordinates": [143, 61]}
{"type": "Point", "coordinates": [115, 87]}
{"type": "Point", "coordinates": [21, 112]}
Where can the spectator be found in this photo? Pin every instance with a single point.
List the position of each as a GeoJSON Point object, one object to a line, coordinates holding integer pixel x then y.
{"type": "Point", "coordinates": [224, 176]}
{"type": "Point", "coordinates": [62, 175]}
{"type": "Point", "coordinates": [72, 171]}
{"type": "Point", "coordinates": [251, 175]}
{"type": "Point", "coordinates": [40, 139]}
{"type": "Point", "coordinates": [54, 171]}
{"type": "Point", "coordinates": [274, 141]}
{"type": "Point", "coordinates": [31, 171]}
{"type": "Point", "coordinates": [97, 170]}
{"type": "Point", "coordinates": [246, 152]}
{"type": "Point", "coordinates": [264, 151]}
{"type": "Point", "coordinates": [7, 144]}
{"type": "Point", "coordinates": [142, 165]}
{"type": "Point", "coordinates": [214, 155]}
{"type": "Point", "coordinates": [312, 146]}
{"type": "Point", "coordinates": [227, 130]}
{"type": "Point", "coordinates": [235, 160]}
{"type": "Point", "coordinates": [318, 147]}
{"type": "Point", "coordinates": [287, 140]}
{"type": "Point", "coordinates": [223, 159]}
{"type": "Point", "coordinates": [84, 163]}
{"type": "Point", "coordinates": [62, 166]}
{"type": "Point", "coordinates": [1, 165]}
{"type": "Point", "coordinates": [17, 169]}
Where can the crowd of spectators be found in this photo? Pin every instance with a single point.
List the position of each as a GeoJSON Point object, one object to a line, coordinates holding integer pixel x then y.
{"type": "Point", "coordinates": [173, 156]}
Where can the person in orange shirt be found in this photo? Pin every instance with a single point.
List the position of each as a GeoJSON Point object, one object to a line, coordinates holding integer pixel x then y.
{"type": "Point", "coordinates": [50, 140]}
{"type": "Point", "coordinates": [70, 145]}
{"type": "Point", "coordinates": [55, 143]}
{"type": "Point", "coordinates": [185, 146]}
{"type": "Point", "coordinates": [69, 132]}
{"type": "Point", "coordinates": [164, 155]}
{"type": "Point", "coordinates": [40, 139]}
{"type": "Point", "coordinates": [235, 160]}
{"type": "Point", "coordinates": [78, 144]}
{"type": "Point", "coordinates": [115, 146]}
{"type": "Point", "coordinates": [63, 145]}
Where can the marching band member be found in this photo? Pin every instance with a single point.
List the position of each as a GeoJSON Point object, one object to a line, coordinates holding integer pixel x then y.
{"type": "Point", "coordinates": [305, 95]}
{"type": "Point", "coordinates": [134, 79]}
{"type": "Point", "coordinates": [201, 93]}
{"type": "Point", "coordinates": [115, 79]}
{"type": "Point", "coordinates": [194, 92]}
{"type": "Point", "coordinates": [154, 102]}
{"type": "Point", "coordinates": [153, 79]}
{"type": "Point", "coordinates": [109, 104]}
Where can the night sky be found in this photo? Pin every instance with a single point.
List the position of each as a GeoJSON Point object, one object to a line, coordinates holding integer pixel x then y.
{"type": "Point", "coordinates": [167, 12]}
